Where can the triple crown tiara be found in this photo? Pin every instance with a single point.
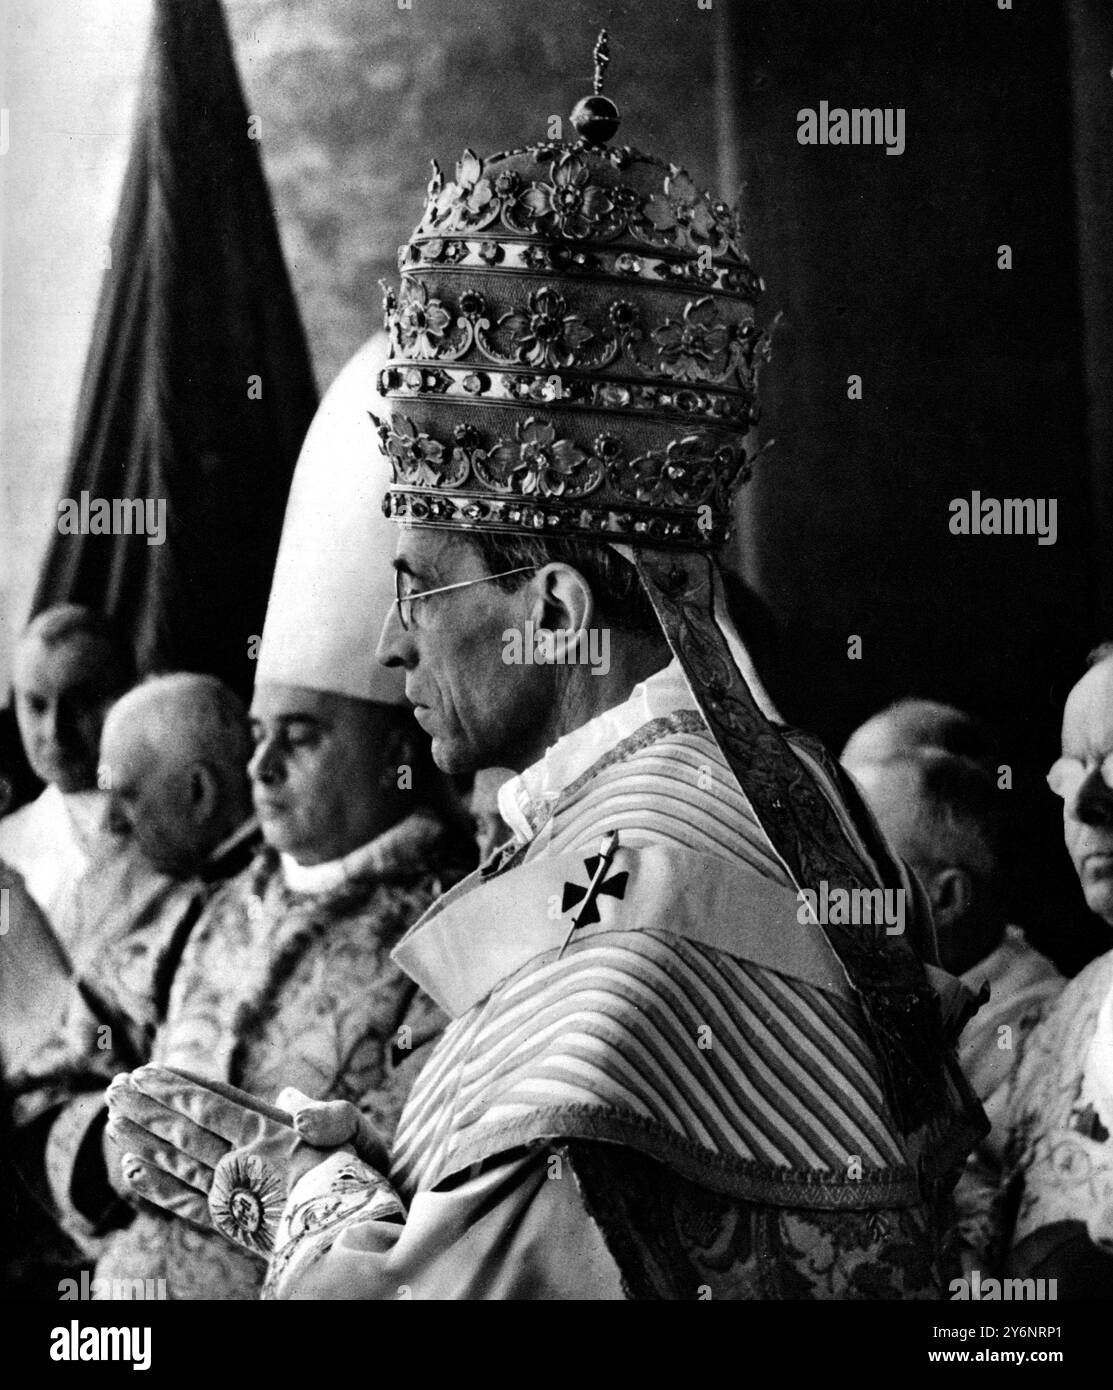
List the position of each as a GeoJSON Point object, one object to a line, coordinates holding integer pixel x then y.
{"type": "Point", "coordinates": [573, 349]}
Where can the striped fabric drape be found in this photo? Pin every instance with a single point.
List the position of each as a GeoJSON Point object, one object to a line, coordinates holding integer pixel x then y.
{"type": "Point", "coordinates": [754, 1083]}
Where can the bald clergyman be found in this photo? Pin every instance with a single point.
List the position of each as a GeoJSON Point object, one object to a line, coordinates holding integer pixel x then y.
{"type": "Point", "coordinates": [174, 756]}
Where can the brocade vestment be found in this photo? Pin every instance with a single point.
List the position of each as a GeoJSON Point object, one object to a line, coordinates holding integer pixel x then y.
{"type": "Point", "coordinates": [1023, 985]}
{"type": "Point", "coordinates": [34, 986]}
{"type": "Point", "coordinates": [278, 987]}
{"type": "Point", "coordinates": [100, 1018]}
{"type": "Point", "coordinates": [1060, 1114]}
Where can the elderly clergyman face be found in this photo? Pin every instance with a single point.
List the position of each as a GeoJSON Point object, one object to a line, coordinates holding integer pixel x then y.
{"type": "Point", "coordinates": [1082, 778]}
{"type": "Point", "coordinates": [479, 711]}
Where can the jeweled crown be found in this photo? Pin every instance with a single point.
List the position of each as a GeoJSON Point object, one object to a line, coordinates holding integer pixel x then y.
{"type": "Point", "coordinates": [573, 348]}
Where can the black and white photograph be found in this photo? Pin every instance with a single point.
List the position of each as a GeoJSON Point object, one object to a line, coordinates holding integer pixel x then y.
{"type": "Point", "coordinates": [556, 670]}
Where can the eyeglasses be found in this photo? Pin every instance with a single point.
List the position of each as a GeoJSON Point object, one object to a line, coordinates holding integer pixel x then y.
{"type": "Point", "coordinates": [1067, 774]}
{"type": "Point", "coordinates": [405, 601]}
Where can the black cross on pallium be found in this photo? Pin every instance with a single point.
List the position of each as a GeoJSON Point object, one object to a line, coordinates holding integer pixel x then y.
{"type": "Point", "coordinates": [614, 887]}
{"type": "Point", "coordinates": [1088, 1122]}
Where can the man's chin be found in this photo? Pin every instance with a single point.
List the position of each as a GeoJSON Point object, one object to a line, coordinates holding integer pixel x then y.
{"type": "Point", "coordinates": [1099, 898]}
{"type": "Point", "coordinates": [172, 865]}
{"type": "Point", "coordinates": [454, 754]}
{"type": "Point", "coordinates": [451, 757]}
{"type": "Point", "coordinates": [279, 835]}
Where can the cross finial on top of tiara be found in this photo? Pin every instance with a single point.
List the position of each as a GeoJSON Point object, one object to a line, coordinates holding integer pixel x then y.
{"type": "Point", "coordinates": [602, 56]}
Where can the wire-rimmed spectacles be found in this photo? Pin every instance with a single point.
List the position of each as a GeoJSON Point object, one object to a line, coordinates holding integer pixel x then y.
{"type": "Point", "coordinates": [1066, 775]}
{"type": "Point", "coordinates": [405, 600]}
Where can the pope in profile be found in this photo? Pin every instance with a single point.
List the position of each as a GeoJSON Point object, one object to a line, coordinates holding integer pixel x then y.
{"type": "Point", "coordinates": [656, 1081]}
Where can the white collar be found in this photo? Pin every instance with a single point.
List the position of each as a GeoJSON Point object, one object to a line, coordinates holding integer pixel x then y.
{"type": "Point", "coordinates": [398, 847]}
{"type": "Point", "coordinates": [87, 807]}
{"type": "Point", "coordinates": [523, 799]}
{"type": "Point", "coordinates": [86, 816]}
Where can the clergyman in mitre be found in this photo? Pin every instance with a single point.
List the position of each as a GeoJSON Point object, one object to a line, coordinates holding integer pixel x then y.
{"type": "Point", "coordinates": [666, 1076]}
{"type": "Point", "coordinates": [286, 983]}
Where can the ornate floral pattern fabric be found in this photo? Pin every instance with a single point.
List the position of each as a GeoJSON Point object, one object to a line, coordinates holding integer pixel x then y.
{"type": "Point", "coordinates": [278, 989]}
{"type": "Point", "coordinates": [135, 923]}
{"type": "Point", "coordinates": [1023, 987]}
{"type": "Point", "coordinates": [1059, 1153]}
{"type": "Point", "coordinates": [675, 1240]}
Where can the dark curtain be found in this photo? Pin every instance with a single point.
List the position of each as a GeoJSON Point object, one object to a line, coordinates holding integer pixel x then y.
{"type": "Point", "coordinates": [198, 387]}
{"type": "Point", "coordinates": [974, 378]}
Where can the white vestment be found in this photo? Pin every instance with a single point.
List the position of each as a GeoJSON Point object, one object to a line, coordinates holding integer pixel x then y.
{"type": "Point", "coordinates": [51, 842]}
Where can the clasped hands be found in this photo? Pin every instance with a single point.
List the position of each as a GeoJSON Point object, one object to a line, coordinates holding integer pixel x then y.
{"type": "Point", "coordinates": [221, 1158]}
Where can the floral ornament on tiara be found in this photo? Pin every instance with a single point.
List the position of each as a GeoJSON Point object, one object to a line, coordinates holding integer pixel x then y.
{"type": "Point", "coordinates": [547, 335]}
{"type": "Point", "coordinates": [570, 205]}
{"type": "Point", "coordinates": [422, 322]}
{"type": "Point", "coordinates": [538, 462]}
{"type": "Point", "coordinates": [689, 219]}
{"type": "Point", "coordinates": [418, 458]}
{"type": "Point", "coordinates": [467, 204]}
{"type": "Point", "coordinates": [694, 348]}
{"type": "Point", "coordinates": [685, 474]}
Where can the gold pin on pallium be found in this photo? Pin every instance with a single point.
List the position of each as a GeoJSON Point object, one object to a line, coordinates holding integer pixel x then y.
{"type": "Point", "coordinates": [573, 893]}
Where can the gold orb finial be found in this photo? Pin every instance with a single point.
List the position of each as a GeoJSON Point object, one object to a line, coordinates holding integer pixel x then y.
{"type": "Point", "coordinates": [596, 117]}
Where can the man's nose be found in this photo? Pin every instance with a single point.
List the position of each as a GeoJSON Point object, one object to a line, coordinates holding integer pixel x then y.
{"type": "Point", "coordinates": [1093, 802]}
{"type": "Point", "coordinates": [396, 646]}
{"type": "Point", "coordinates": [266, 765]}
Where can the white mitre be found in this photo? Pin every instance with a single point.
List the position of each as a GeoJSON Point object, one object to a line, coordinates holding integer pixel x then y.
{"type": "Point", "coordinates": [333, 582]}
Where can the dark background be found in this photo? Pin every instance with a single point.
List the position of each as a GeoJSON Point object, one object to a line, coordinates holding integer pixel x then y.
{"type": "Point", "coordinates": [973, 377]}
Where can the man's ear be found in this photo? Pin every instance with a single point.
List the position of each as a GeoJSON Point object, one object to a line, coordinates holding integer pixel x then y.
{"type": "Point", "coordinates": [203, 789]}
{"type": "Point", "coordinates": [951, 891]}
{"type": "Point", "coordinates": [563, 601]}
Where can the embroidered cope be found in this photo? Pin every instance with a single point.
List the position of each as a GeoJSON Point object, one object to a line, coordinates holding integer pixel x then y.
{"type": "Point", "coordinates": [681, 1101]}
